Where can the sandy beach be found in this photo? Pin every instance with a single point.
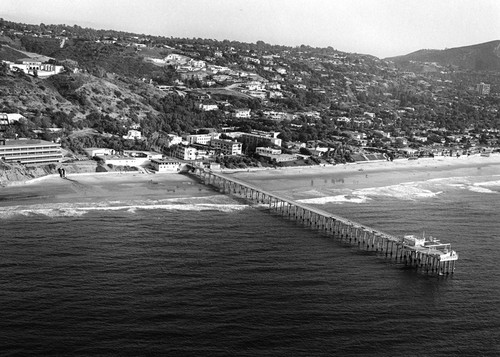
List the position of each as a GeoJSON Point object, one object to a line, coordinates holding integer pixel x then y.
{"type": "Point", "coordinates": [93, 187]}
{"type": "Point", "coordinates": [288, 181]}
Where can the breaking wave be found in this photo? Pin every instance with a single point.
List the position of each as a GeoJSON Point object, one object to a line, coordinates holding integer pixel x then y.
{"type": "Point", "coordinates": [405, 191]}
{"type": "Point", "coordinates": [210, 203]}
{"type": "Point", "coordinates": [335, 199]}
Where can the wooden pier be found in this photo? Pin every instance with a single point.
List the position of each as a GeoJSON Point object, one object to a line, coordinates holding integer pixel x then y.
{"type": "Point", "coordinates": [430, 256]}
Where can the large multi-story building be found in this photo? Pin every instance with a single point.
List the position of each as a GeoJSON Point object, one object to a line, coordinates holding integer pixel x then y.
{"type": "Point", "coordinates": [226, 147]}
{"type": "Point", "coordinates": [202, 139]}
{"type": "Point", "coordinates": [27, 151]}
{"type": "Point", "coordinates": [262, 137]}
{"type": "Point", "coordinates": [190, 153]}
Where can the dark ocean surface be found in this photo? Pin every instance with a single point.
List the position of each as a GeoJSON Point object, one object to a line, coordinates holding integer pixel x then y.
{"type": "Point", "coordinates": [214, 276]}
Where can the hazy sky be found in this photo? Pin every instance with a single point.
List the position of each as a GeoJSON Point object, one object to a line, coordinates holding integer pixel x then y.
{"type": "Point", "coordinates": [379, 27]}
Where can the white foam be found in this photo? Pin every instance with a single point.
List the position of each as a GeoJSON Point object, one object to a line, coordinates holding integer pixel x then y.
{"type": "Point", "coordinates": [312, 193]}
{"type": "Point", "coordinates": [480, 189]}
{"type": "Point", "coordinates": [79, 209]}
{"type": "Point", "coordinates": [488, 183]}
{"type": "Point", "coordinates": [405, 191]}
{"type": "Point", "coordinates": [339, 199]}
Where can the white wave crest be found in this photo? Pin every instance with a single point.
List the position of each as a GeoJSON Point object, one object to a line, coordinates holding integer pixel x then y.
{"type": "Point", "coordinates": [480, 189]}
{"type": "Point", "coordinates": [335, 199]}
{"type": "Point", "coordinates": [405, 191]}
{"type": "Point", "coordinates": [488, 183]}
{"type": "Point", "coordinates": [54, 210]}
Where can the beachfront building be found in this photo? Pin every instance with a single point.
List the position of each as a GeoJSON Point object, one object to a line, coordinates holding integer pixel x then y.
{"type": "Point", "coordinates": [130, 158]}
{"type": "Point", "coordinates": [149, 155]}
{"type": "Point", "coordinates": [166, 165]}
{"type": "Point", "coordinates": [92, 152]}
{"type": "Point", "coordinates": [226, 147]}
{"type": "Point", "coordinates": [274, 155]}
{"type": "Point", "coordinates": [264, 151]}
{"type": "Point", "coordinates": [260, 137]}
{"type": "Point", "coordinates": [190, 153]}
{"type": "Point", "coordinates": [28, 151]}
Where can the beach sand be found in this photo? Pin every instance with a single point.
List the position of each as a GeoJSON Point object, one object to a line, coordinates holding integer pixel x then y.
{"type": "Point", "coordinates": [289, 182]}
{"type": "Point", "coordinates": [95, 187]}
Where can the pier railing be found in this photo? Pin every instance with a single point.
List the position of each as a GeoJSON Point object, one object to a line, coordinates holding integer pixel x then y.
{"type": "Point", "coordinates": [429, 259]}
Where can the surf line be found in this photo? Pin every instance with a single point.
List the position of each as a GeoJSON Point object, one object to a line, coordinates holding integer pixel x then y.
{"type": "Point", "coordinates": [424, 255]}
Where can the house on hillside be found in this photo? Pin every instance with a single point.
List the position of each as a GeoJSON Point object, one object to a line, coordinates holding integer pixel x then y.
{"type": "Point", "coordinates": [10, 118]}
{"type": "Point", "coordinates": [133, 134]}
{"type": "Point", "coordinates": [242, 113]}
{"type": "Point", "coordinates": [35, 67]}
{"type": "Point", "coordinates": [208, 107]}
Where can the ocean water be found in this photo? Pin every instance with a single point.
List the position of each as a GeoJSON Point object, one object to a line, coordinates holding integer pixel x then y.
{"type": "Point", "coordinates": [216, 276]}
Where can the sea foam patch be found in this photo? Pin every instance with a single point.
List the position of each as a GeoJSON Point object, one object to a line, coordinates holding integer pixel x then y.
{"type": "Point", "coordinates": [480, 189]}
{"type": "Point", "coordinates": [54, 210]}
{"type": "Point", "coordinates": [405, 191]}
{"type": "Point", "coordinates": [495, 183]}
{"type": "Point", "coordinates": [339, 199]}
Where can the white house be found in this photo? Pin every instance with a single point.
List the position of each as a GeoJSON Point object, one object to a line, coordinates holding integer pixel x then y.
{"type": "Point", "coordinates": [133, 134]}
{"type": "Point", "coordinates": [242, 113]}
{"type": "Point", "coordinates": [91, 152]}
{"type": "Point", "coordinates": [174, 139]}
{"type": "Point", "coordinates": [10, 118]}
{"type": "Point", "coordinates": [208, 107]}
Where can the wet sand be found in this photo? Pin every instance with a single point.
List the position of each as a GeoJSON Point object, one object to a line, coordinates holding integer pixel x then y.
{"type": "Point", "coordinates": [95, 187]}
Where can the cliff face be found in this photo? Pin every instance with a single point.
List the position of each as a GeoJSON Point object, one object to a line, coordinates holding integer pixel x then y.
{"type": "Point", "coordinates": [11, 174]}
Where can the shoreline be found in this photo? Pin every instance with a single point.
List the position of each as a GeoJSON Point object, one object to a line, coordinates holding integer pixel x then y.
{"type": "Point", "coordinates": [424, 164]}
{"type": "Point", "coordinates": [99, 186]}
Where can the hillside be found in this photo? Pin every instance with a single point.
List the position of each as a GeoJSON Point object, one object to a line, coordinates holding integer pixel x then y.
{"type": "Point", "coordinates": [77, 95]}
{"type": "Point", "coordinates": [480, 57]}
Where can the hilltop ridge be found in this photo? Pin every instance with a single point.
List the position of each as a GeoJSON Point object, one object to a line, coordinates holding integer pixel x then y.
{"type": "Point", "coordinates": [479, 57]}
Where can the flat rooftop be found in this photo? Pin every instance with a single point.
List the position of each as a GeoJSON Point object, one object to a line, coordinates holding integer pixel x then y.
{"type": "Point", "coordinates": [24, 142]}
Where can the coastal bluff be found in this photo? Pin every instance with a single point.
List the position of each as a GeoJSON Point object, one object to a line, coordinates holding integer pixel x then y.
{"type": "Point", "coordinates": [12, 174]}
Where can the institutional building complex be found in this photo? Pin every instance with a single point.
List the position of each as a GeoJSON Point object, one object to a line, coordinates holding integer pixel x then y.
{"type": "Point", "coordinates": [27, 151]}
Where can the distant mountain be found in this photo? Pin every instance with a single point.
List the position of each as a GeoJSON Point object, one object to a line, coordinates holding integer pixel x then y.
{"type": "Point", "coordinates": [480, 57]}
